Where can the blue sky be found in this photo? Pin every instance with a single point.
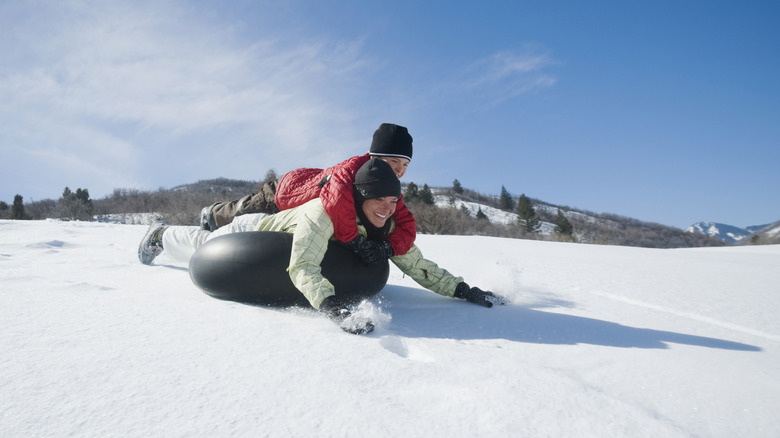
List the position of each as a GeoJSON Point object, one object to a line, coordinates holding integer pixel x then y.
{"type": "Point", "coordinates": [664, 111]}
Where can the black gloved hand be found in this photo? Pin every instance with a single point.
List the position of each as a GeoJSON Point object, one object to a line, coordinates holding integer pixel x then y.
{"type": "Point", "coordinates": [370, 251]}
{"type": "Point", "coordinates": [375, 251]}
{"type": "Point", "coordinates": [335, 309]}
{"type": "Point", "coordinates": [478, 296]}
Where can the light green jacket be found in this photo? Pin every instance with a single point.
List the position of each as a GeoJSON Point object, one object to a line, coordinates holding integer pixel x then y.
{"type": "Point", "coordinates": [312, 228]}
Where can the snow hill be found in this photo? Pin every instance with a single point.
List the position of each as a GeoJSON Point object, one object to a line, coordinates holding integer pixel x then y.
{"type": "Point", "coordinates": [730, 234]}
{"type": "Point", "coordinates": [494, 215]}
{"type": "Point", "coordinates": [727, 233]}
{"type": "Point", "coordinates": [771, 231]}
{"type": "Point", "coordinates": [598, 341]}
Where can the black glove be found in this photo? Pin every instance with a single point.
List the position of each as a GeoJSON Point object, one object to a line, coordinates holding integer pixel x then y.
{"type": "Point", "coordinates": [335, 309]}
{"type": "Point", "coordinates": [477, 296]}
{"type": "Point", "coordinates": [370, 251]}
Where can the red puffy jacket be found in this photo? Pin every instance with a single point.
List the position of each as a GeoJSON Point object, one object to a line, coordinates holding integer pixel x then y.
{"type": "Point", "coordinates": [302, 185]}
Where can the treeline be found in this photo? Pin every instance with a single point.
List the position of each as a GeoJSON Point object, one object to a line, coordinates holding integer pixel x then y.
{"type": "Point", "coordinates": [563, 224]}
{"type": "Point", "coordinates": [178, 206]}
{"type": "Point", "coordinates": [436, 219]}
{"type": "Point", "coordinates": [535, 219]}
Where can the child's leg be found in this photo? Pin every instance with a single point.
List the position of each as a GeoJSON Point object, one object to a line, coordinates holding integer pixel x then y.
{"type": "Point", "coordinates": [224, 213]}
{"type": "Point", "coordinates": [245, 222]}
{"type": "Point", "coordinates": [180, 242]}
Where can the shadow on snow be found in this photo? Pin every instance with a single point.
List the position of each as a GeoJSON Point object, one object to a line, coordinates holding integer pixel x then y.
{"type": "Point", "coordinates": [416, 313]}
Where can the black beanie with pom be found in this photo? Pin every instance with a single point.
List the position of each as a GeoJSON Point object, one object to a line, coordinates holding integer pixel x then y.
{"type": "Point", "coordinates": [392, 140]}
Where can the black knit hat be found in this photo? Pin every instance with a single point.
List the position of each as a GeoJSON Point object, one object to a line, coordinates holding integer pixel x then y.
{"type": "Point", "coordinates": [376, 179]}
{"type": "Point", "coordinates": [392, 140]}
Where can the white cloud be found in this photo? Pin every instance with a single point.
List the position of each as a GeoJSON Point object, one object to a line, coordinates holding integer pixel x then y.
{"type": "Point", "coordinates": [133, 79]}
{"type": "Point", "coordinates": [507, 74]}
{"type": "Point", "coordinates": [149, 67]}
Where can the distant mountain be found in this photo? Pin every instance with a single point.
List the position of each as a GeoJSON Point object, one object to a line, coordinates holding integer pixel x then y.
{"type": "Point", "coordinates": [772, 230]}
{"type": "Point", "coordinates": [220, 185]}
{"type": "Point", "coordinates": [766, 234]}
{"type": "Point", "coordinates": [724, 232]}
{"type": "Point", "coordinates": [758, 228]}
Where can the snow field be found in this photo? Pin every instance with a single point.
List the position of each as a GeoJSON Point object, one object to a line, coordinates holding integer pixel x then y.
{"type": "Point", "coordinates": [598, 341]}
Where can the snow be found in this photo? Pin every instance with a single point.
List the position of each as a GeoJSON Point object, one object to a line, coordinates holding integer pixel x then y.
{"type": "Point", "coordinates": [598, 341]}
{"type": "Point", "coordinates": [494, 215]}
{"type": "Point", "coordinates": [727, 233]}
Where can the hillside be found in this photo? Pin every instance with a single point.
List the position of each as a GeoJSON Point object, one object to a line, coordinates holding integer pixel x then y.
{"type": "Point", "coordinates": [607, 229]}
{"type": "Point", "coordinates": [727, 233]}
{"type": "Point", "coordinates": [223, 186]}
{"type": "Point", "coordinates": [756, 234]}
{"type": "Point", "coordinates": [766, 235]}
{"type": "Point", "coordinates": [452, 213]}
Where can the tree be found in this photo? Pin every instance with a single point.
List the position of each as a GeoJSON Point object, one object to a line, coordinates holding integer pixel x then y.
{"type": "Point", "coordinates": [412, 192]}
{"type": "Point", "coordinates": [426, 195]}
{"type": "Point", "coordinates": [505, 202]}
{"type": "Point", "coordinates": [3, 208]}
{"type": "Point", "coordinates": [527, 215]}
{"type": "Point", "coordinates": [456, 187]}
{"type": "Point", "coordinates": [83, 197]}
{"type": "Point", "coordinates": [17, 210]}
{"type": "Point", "coordinates": [480, 214]}
{"type": "Point", "coordinates": [563, 227]}
{"type": "Point", "coordinates": [270, 175]}
{"type": "Point", "coordinates": [42, 209]}
{"type": "Point", "coordinates": [75, 206]}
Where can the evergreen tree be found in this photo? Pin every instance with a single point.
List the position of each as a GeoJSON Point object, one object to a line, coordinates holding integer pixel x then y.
{"type": "Point", "coordinates": [83, 197]}
{"type": "Point", "coordinates": [456, 187]}
{"type": "Point", "coordinates": [3, 208]}
{"type": "Point", "coordinates": [412, 192]}
{"type": "Point", "coordinates": [74, 206]}
{"type": "Point", "coordinates": [527, 215]}
{"type": "Point", "coordinates": [426, 195]}
{"type": "Point", "coordinates": [563, 227]}
{"type": "Point", "coordinates": [505, 202]}
{"type": "Point", "coordinates": [17, 210]}
{"type": "Point", "coordinates": [480, 214]}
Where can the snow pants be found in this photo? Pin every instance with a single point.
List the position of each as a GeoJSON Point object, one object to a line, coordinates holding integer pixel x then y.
{"type": "Point", "coordinates": [260, 202]}
{"type": "Point", "coordinates": [181, 242]}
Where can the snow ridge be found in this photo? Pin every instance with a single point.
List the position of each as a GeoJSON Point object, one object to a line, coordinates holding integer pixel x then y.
{"type": "Point", "coordinates": [727, 233]}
